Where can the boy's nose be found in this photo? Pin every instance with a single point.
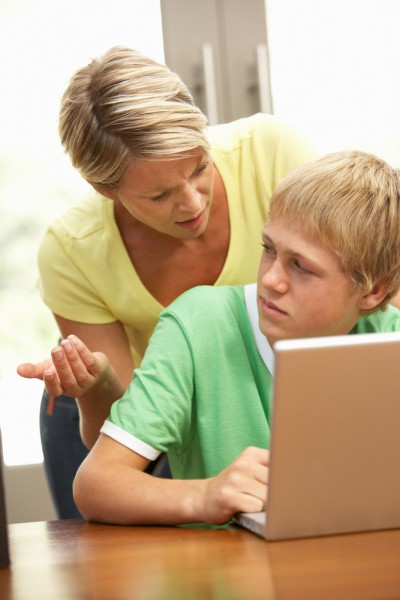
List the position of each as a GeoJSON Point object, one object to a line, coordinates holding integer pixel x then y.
{"type": "Point", "coordinates": [275, 278]}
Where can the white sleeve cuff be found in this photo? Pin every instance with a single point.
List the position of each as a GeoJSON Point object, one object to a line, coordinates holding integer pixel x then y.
{"type": "Point", "coordinates": [130, 441]}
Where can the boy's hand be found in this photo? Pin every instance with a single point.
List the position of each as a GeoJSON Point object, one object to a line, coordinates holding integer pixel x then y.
{"type": "Point", "coordinates": [241, 487]}
{"type": "Point", "coordinates": [72, 369]}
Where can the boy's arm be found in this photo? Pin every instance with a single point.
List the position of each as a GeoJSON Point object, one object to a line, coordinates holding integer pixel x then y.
{"type": "Point", "coordinates": [87, 376]}
{"type": "Point", "coordinates": [111, 487]}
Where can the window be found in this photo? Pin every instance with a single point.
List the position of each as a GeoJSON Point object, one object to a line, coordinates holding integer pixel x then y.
{"type": "Point", "coordinates": [42, 43]}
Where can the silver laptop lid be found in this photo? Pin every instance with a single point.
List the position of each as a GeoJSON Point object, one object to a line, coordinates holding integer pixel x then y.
{"type": "Point", "coordinates": [335, 444]}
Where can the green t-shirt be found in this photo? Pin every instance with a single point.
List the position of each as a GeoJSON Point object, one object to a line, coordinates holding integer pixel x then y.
{"type": "Point", "coordinates": [203, 392]}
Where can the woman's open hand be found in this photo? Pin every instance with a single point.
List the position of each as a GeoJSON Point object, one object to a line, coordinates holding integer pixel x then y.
{"type": "Point", "coordinates": [72, 369]}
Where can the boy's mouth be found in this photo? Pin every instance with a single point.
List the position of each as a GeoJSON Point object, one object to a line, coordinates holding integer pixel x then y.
{"type": "Point", "coordinates": [271, 309]}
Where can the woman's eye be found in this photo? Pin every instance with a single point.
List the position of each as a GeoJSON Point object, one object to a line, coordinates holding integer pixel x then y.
{"type": "Point", "coordinates": [202, 168]}
{"type": "Point", "coordinates": [162, 196]}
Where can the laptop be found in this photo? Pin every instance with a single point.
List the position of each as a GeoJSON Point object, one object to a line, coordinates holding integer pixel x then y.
{"type": "Point", "coordinates": [335, 438]}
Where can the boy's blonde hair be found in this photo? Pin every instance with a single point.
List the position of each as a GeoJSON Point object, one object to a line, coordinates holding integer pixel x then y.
{"type": "Point", "coordinates": [124, 107]}
{"type": "Point", "coordinates": [351, 202]}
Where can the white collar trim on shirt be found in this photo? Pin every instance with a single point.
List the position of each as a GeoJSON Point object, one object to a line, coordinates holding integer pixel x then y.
{"type": "Point", "coordinates": [263, 346]}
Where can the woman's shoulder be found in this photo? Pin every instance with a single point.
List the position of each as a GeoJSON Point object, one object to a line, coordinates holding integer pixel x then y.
{"type": "Point", "coordinates": [91, 214]}
{"type": "Point", "coordinates": [259, 124]}
{"type": "Point", "coordinates": [84, 231]}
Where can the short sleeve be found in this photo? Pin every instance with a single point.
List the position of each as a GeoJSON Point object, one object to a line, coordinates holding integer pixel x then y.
{"type": "Point", "coordinates": [157, 406]}
{"type": "Point", "coordinates": [65, 289]}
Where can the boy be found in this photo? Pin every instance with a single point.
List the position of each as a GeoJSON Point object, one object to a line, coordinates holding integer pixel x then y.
{"type": "Point", "coordinates": [330, 264]}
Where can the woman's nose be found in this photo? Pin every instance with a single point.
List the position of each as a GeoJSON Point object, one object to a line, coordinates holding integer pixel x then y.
{"type": "Point", "coordinates": [191, 198]}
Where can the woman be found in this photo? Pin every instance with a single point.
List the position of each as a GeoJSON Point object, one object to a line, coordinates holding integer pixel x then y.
{"type": "Point", "coordinates": [174, 204]}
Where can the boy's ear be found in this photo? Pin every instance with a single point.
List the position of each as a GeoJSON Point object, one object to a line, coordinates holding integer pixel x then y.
{"type": "Point", "coordinates": [375, 297]}
{"type": "Point", "coordinates": [104, 190]}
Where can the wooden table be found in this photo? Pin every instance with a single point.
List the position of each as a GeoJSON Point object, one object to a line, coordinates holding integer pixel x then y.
{"type": "Point", "coordinates": [74, 560]}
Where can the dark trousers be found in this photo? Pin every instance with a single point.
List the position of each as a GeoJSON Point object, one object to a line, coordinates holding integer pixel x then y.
{"type": "Point", "coordinates": [63, 451]}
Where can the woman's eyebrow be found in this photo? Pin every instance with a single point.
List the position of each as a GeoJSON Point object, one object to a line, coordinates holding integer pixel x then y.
{"type": "Point", "coordinates": [169, 188]}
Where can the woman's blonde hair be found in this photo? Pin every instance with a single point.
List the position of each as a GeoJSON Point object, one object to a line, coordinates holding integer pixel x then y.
{"type": "Point", "coordinates": [351, 202]}
{"type": "Point", "coordinates": [124, 107]}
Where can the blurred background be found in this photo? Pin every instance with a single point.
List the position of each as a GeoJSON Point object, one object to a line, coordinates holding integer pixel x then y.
{"type": "Point", "coordinates": [328, 67]}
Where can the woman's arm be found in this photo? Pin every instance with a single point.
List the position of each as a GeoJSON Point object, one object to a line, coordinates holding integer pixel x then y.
{"type": "Point", "coordinates": [110, 487]}
{"type": "Point", "coordinates": [111, 340]}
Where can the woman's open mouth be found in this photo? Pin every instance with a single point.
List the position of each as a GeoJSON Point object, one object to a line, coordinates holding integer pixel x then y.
{"type": "Point", "coordinates": [193, 223]}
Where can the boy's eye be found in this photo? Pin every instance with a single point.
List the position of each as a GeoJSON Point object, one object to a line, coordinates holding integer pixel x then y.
{"type": "Point", "coordinates": [299, 267]}
{"type": "Point", "coordinates": [268, 249]}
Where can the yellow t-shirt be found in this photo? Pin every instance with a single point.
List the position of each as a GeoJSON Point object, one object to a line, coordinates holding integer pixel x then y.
{"type": "Point", "coordinates": [85, 272]}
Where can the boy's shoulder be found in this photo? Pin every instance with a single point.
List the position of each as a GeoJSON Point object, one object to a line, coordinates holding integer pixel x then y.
{"type": "Point", "coordinates": [207, 302]}
{"type": "Point", "coordinates": [380, 321]}
{"type": "Point", "coordinates": [207, 295]}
